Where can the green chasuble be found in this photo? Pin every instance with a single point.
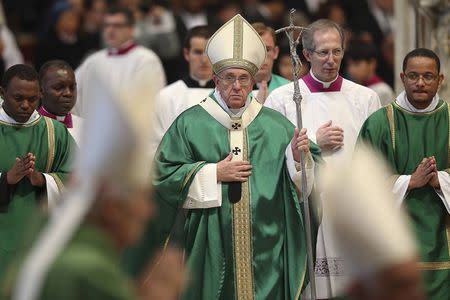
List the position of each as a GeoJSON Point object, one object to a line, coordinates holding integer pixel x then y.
{"type": "Point", "coordinates": [405, 138]}
{"type": "Point", "coordinates": [88, 268]}
{"type": "Point", "coordinates": [254, 249]}
{"type": "Point", "coordinates": [276, 82]}
{"type": "Point", "coordinates": [52, 145]}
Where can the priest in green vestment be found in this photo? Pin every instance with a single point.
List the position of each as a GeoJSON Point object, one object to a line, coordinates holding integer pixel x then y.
{"type": "Point", "coordinates": [35, 156]}
{"type": "Point", "coordinates": [412, 133]}
{"type": "Point", "coordinates": [75, 254]}
{"type": "Point", "coordinates": [224, 172]}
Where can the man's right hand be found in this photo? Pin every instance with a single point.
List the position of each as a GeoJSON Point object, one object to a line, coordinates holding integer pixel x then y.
{"type": "Point", "coordinates": [232, 171]}
{"type": "Point", "coordinates": [423, 174]}
{"type": "Point", "coordinates": [330, 138]}
{"type": "Point", "coordinates": [20, 169]}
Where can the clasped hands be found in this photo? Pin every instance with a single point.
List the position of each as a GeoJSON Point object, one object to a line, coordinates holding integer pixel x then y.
{"type": "Point", "coordinates": [425, 173]}
{"type": "Point", "coordinates": [25, 167]}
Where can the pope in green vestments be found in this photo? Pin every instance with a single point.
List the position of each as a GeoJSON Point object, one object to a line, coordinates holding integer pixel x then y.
{"type": "Point", "coordinates": [223, 177]}
{"type": "Point", "coordinates": [405, 138]}
{"type": "Point", "coordinates": [263, 232]}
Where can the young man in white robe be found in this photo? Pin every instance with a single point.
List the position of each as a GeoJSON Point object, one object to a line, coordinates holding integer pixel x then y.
{"type": "Point", "coordinates": [333, 111]}
{"type": "Point", "coordinates": [175, 98]}
{"type": "Point", "coordinates": [123, 59]}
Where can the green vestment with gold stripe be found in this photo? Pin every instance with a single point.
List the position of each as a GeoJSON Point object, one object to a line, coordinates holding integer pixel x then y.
{"type": "Point", "coordinates": [52, 145]}
{"type": "Point", "coordinates": [405, 138]}
{"type": "Point", "coordinates": [254, 249]}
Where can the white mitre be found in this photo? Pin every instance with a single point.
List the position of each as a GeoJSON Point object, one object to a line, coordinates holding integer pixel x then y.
{"type": "Point", "coordinates": [370, 230]}
{"type": "Point", "coordinates": [236, 45]}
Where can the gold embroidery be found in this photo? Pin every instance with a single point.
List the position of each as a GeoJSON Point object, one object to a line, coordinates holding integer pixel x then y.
{"type": "Point", "coordinates": [242, 242]}
{"type": "Point", "coordinates": [434, 266]}
{"type": "Point", "coordinates": [236, 63]}
{"type": "Point", "coordinates": [238, 38]}
{"type": "Point", "coordinates": [191, 172]}
{"type": "Point", "coordinates": [51, 144]}
{"type": "Point", "coordinates": [22, 125]}
{"type": "Point", "coordinates": [390, 116]}
{"type": "Point", "coordinates": [448, 159]}
{"type": "Point", "coordinates": [58, 181]}
{"type": "Point", "coordinates": [441, 106]}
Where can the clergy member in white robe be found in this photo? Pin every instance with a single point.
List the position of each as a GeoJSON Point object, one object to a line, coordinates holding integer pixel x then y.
{"type": "Point", "coordinates": [333, 111]}
{"type": "Point", "coordinates": [123, 60]}
{"type": "Point", "coordinates": [175, 98]}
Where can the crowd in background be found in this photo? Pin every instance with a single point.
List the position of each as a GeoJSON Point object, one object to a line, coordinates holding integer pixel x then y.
{"type": "Point", "coordinates": [71, 29]}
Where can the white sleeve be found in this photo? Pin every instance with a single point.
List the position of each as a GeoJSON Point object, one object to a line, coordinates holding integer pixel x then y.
{"type": "Point", "coordinates": [309, 165]}
{"type": "Point", "coordinates": [205, 191]}
{"type": "Point", "coordinates": [275, 102]}
{"type": "Point", "coordinates": [444, 192]}
{"type": "Point", "coordinates": [160, 122]}
{"type": "Point", "coordinates": [78, 107]}
{"type": "Point", "coordinates": [295, 172]}
{"type": "Point", "coordinates": [11, 53]}
{"type": "Point", "coordinates": [52, 190]}
{"type": "Point", "coordinates": [400, 188]}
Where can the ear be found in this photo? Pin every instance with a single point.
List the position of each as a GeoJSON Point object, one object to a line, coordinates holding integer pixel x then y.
{"type": "Point", "coordinates": [307, 54]}
{"type": "Point", "coordinates": [215, 78]}
{"type": "Point", "coordinates": [440, 79]}
{"type": "Point", "coordinates": [402, 77]}
{"type": "Point", "coordinates": [276, 51]}
{"type": "Point", "coordinates": [2, 92]}
{"type": "Point", "coordinates": [186, 54]}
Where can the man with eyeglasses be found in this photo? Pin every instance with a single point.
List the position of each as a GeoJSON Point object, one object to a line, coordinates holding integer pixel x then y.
{"type": "Point", "coordinates": [175, 98]}
{"type": "Point", "coordinates": [124, 60]}
{"type": "Point", "coordinates": [333, 111]}
{"type": "Point", "coordinates": [225, 162]}
{"type": "Point", "coordinates": [412, 133]}
{"type": "Point", "coordinates": [266, 81]}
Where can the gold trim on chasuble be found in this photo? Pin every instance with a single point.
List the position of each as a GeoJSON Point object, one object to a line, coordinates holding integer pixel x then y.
{"type": "Point", "coordinates": [51, 144]}
{"type": "Point", "coordinates": [425, 266]}
{"type": "Point", "coordinates": [390, 116]}
{"type": "Point", "coordinates": [241, 211]}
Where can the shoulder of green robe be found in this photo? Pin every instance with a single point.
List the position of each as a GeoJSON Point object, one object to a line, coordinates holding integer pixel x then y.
{"type": "Point", "coordinates": [277, 117]}
{"type": "Point", "coordinates": [281, 80]}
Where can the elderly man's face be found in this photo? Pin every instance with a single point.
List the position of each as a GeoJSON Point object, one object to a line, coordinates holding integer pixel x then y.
{"type": "Point", "coordinates": [326, 57]}
{"type": "Point", "coordinates": [234, 85]}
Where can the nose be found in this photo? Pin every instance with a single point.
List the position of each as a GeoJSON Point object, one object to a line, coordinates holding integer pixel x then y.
{"type": "Point", "coordinates": [25, 105]}
{"type": "Point", "coordinates": [237, 85]}
{"type": "Point", "coordinates": [67, 91]}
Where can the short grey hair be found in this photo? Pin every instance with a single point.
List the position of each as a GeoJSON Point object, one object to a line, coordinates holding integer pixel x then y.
{"type": "Point", "coordinates": [320, 25]}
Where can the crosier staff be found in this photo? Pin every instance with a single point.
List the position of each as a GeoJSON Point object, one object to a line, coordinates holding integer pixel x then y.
{"type": "Point", "coordinates": [297, 97]}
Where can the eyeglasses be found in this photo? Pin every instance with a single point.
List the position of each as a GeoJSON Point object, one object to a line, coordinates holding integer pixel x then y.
{"type": "Point", "coordinates": [116, 25]}
{"type": "Point", "coordinates": [338, 52]}
{"type": "Point", "coordinates": [427, 78]}
{"type": "Point", "coordinates": [243, 80]}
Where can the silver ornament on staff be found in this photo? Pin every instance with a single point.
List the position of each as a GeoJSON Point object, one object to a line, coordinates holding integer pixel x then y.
{"type": "Point", "coordinates": [297, 97]}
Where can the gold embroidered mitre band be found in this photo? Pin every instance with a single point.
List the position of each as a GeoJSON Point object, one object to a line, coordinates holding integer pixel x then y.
{"type": "Point", "coordinates": [236, 45]}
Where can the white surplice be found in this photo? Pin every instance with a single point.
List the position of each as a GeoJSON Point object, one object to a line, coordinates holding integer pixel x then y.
{"type": "Point", "coordinates": [348, 107]}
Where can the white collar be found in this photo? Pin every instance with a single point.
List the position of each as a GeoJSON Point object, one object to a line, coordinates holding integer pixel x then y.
{"type": "Point", "coordinates": [402, 101]}
{"type": "Point", "coordinates": [324, 84]}
{"type": "Point", "coordinates": [232, 112]}
{"type": "Point", "coordinates": [4, 117]}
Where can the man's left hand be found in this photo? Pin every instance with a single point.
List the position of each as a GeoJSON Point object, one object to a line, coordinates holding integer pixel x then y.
{"type": "Point", "coordinates": [36, 178]}
{"type": "Point", "coordinates": [299, 143]}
